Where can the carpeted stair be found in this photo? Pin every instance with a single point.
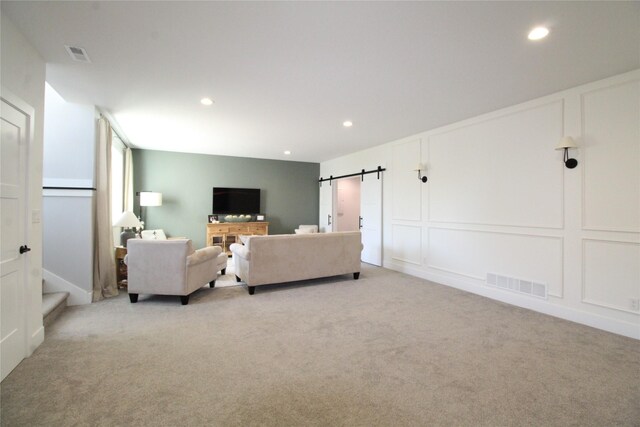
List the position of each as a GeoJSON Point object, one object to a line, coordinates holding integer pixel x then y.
{"type": "Point", "coordinates": [53, 304]}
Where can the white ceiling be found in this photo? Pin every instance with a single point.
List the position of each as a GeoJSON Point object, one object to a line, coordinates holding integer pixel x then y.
{"type": "Point", "coordinates": [285, 75]}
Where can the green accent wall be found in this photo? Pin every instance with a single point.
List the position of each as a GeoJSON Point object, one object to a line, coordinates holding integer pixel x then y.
{"type": "Point", "coordinates": [288, 197]}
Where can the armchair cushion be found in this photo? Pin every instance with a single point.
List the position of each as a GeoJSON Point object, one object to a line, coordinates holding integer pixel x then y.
{"type": "Point", "coordinates": [203, 255]}
{"type": "Point", "coordinates": [221, 262]}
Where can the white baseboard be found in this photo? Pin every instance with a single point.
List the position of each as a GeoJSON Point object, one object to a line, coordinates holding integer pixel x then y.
{"type": "Point", "coordinates": [627, 329]}
{"type": "Point", "coordinates": [54, 283]}
{"type": "Point", "coordinates": [37, 338]}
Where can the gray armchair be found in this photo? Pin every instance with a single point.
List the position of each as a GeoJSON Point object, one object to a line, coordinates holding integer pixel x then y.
{"type": "Point", "coordinates": [170, 267]}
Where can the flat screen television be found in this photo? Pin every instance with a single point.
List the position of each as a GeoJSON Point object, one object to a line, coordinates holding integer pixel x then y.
{"type": "Point", "coordinates": [236, 200]}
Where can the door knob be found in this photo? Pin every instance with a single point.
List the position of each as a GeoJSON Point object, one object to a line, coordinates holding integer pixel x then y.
{"type": "Point", "coordinates": [24, 248]}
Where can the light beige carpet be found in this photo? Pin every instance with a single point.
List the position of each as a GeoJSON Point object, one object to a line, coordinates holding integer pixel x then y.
{"type": "Point", "coordinates": [388, 349]}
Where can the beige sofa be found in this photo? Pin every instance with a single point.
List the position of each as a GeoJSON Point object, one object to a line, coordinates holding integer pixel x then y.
{"type": "Point", "coordinates": [171, 267]}
{"type": "Point", "coordinates": [282, 258]}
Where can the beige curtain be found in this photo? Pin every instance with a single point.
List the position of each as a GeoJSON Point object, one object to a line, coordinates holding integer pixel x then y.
{"type": "Point", "coordinates": [104, 267]}
{"type": "Point", "coordinates": [128, 180]}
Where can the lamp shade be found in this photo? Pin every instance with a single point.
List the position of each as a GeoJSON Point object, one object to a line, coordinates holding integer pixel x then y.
{"type": "Point", "coordinates": [150, 198]}
{"type": "Point", "coordinates": [566, 142]}
{"type": "Point", "coordinates": [419, 167]}
{"type": "Point", "coordinates": [127, 220]}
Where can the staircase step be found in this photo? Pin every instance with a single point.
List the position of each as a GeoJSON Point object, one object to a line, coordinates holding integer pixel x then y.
{"type": "Point", "coordinates": [53, 304]}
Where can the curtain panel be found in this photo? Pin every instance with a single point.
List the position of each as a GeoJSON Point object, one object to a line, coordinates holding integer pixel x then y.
{"type": "Point", "coordinates": [104, 267]}
{"type": "Point", "coordinates": [128, 180]}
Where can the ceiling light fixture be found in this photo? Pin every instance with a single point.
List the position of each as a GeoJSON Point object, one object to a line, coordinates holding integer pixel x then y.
{"type": "Point", "coordinates": [206, 101]}
{"type": "Point", "coordinates": [287, 152]}
{"type": "Point", "coordinates": [347, 123]}
{"type": "Point", "coordinates": [538, 33]}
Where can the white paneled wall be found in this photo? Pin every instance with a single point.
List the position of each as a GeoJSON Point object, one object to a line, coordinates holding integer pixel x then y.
{"type": "Point", "coordinates": [499, 200]}
{"type": "Point", "coordinates": [610, 135]}
{"type": "Point", "coordinates": [497, 170]}
{"type": "Point", "coordinates": [474, 253]}
{"type": "Point", "coordinates": [406, 158]}
{"type": "Point", "coordinates": [406, 243]}
{"type": "Point", "coordinates": [611, 272]}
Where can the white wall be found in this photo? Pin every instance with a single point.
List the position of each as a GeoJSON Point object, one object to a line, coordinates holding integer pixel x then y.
{"type": "Point", "coordinates": [499, 200]}
{"type": "Point", "coordinates": [67, 216]}
{"type": "Point", "coordinates": [23, 73]}
{"type": "Point", "coordinates": [69, 142]}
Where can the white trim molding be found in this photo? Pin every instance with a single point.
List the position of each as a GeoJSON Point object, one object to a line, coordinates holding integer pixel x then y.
{"type": "Point", "coordinates": [54, 283]}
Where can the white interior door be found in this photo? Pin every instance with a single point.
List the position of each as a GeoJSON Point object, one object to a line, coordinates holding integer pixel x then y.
{"type": "Point", "coordinates": [326, 207]}
{"type": "Point", "coordinates": [371, 218]}
{"type": "Point", "coordinates": [14, 128]}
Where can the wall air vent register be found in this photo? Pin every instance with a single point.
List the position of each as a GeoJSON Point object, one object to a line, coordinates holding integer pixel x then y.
{"type": "Point", "coordinates": [528, 287]}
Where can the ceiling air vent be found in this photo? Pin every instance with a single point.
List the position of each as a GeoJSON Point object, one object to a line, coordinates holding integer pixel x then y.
{"type": "Point", "coordinates": [77, 53]}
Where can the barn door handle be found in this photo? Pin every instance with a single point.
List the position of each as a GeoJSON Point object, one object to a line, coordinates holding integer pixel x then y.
{"type": "Point", "coordinates": [24, 248]}
{"type": "Point", "coordinates": [360, 222]}
{"type": "Point", "coordinates": [328, 219]}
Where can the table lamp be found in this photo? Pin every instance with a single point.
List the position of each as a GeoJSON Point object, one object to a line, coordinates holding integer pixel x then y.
{"type": "Point", "coordinates": [128, 221]}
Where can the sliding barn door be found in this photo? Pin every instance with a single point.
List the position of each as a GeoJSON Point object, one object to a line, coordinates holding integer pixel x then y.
{"type": "Point", "coordinates": [371, 218]}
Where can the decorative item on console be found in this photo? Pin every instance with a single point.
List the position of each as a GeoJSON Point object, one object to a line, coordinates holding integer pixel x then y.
{"type": "Point", "coordinates": [237, 218]}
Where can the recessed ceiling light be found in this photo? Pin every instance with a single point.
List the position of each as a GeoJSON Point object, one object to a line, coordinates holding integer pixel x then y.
{"type": "Point", "coordinates": [287, 152]}
{"type": "Point", "coordinates": [347, 123]}
{"type": "Point", "coordinates": [538, 33]}
{"type": "Point", "coordinates": [206, 101]}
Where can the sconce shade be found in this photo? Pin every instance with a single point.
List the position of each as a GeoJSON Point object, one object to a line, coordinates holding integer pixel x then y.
{"type": "Point", "coordinates": [127, 220]}
{"type": "Point", "coordinates": [420, 168]}
{"type": "Point", "coordinates": [566, 142]}
{"type": "Point", "coordinates": [150, 198]}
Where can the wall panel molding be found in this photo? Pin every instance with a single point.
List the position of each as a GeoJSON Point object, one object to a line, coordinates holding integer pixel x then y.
{"type": "Point", "coordinates": [554, 289]}
{"type": "Point", "coordinates": [406, 188]}
{"type": "Point", "coordinates": [407, 243]}
{"type": "Point", "coordinates": [502, 169]}
{"type": "Point", "coordinates": [612, 276]}
{"type": "Point", "coordinates": [611, 157]}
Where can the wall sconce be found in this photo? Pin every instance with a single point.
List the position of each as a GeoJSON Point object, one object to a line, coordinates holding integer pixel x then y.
{"type": "Point", "coordinates": [420, 168]}
{"type": "Point", "coordinates": [564, 144]}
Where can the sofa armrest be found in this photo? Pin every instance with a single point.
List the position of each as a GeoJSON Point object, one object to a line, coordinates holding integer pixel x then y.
{"type": "Point", "coordinates": [203, 255]}
{"type": "Point", "coordinates": [241, 251]}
